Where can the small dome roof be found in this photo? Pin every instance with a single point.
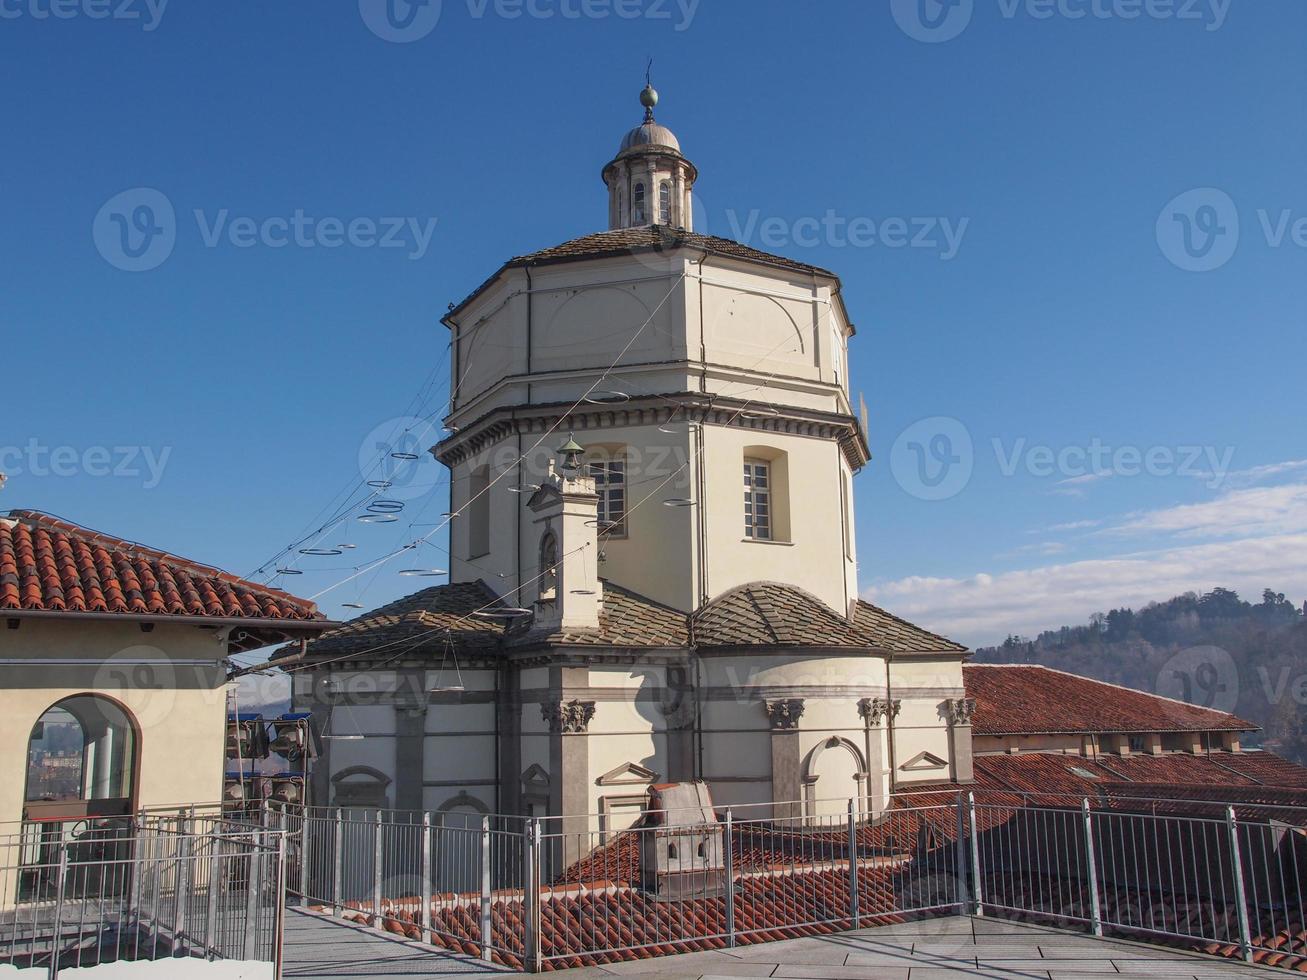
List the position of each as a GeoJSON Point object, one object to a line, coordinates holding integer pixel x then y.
{"type": "Point", "coordinates": [650, 134]}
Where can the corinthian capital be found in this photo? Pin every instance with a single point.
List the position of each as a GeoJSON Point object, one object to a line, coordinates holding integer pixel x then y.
{"type": "Point", "coordinates": [874, 710]}
{"type": "Point", "coordinates": [568, 717]}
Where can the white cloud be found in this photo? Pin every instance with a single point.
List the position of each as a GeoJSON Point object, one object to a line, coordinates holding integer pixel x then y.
{"type": "Point", "coordinates": [1253, 511]}
{"type": "Point", "coordinates": [985, 608]}
{"type": "Point", "coordinates": [1258, 474]}
{"type": "Point", "coordinates": [1069, 526]}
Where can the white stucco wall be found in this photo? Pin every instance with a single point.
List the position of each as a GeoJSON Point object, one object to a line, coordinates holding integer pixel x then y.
{"type": "Point", "coordinates": [176, 699]}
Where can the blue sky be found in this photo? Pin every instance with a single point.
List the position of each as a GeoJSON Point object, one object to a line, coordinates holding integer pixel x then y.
{"type": "Point", "coordinates": [1046, 165]}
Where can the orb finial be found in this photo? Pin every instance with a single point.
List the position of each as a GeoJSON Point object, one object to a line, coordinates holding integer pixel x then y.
{"type": "Point", "coordinates": [649, 95]}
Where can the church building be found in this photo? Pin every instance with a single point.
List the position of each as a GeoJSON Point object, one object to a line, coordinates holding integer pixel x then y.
{"type": "Point", "coordinates": [651, 446]}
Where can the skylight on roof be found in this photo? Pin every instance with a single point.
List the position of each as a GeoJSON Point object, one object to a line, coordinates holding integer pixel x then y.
{"type": "Point", "coordinates": [1082, 773]}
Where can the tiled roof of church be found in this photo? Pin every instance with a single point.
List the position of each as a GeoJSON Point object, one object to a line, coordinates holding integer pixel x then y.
{"type": "Point", "coordinates": [624, 241]}
{"type": "Point", "coordinates": [416, 625]}
{"type": "Point", "coordinates": [650, 238]}
{"type": "Point", "coordinates": [763, 614]}
{"type": "Point", "coordinates": [48, 565]}
{"type": "Point", "coordinates": [626, 619]}
{"type": "Point", "coordinates": [1030, 700]}
{"type": "Point", "coordinates": [772, 614]}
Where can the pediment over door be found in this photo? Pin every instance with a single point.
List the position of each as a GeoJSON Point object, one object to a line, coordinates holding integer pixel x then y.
{"type": "Point", "coordinates": [628, 774]}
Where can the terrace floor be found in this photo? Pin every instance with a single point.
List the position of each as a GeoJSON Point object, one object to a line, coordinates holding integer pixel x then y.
{"type": "Point", "coordinates": [321, 948]}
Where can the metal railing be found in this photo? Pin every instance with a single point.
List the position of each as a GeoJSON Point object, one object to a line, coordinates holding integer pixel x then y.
{"type": "Point", "coordinates": [566, 891]}
{"type": "Point", "coordinates": [79, 894]}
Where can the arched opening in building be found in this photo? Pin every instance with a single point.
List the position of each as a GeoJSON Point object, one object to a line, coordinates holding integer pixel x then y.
{"type": "Point", "coordinates": [82, 758]}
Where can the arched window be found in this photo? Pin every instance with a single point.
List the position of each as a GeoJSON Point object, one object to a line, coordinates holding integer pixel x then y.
{"type": "Point", "coordinates": [81, 760]}
{"type": "Point", "coordinates": [665, 203]}
{"type": "Point", "coordinates": [548, 567]}
{"type": "Point", "coordinates": [638, 205]}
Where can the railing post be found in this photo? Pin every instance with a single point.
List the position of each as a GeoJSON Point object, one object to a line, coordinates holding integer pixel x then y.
{"type": "Point", "coordinates": [377, 862]}
{"type": "Point", "coordinates": [252, 894]}
{"type": "Point", "coordinates": [426, 877]}
{"type": "Point", "coordinates": [338, 871]}
{"type": "Point", "coordinates": [215, 886]}
{"type": "Point", "coordinates": [532, 959]}
{"type": "Point", "coordinates": [728, 858]}
{"type": "Point", "coordinates": [185, 854]}
{"type": "Point", "coordinates": [134, 902]}
{"type": "Point", "coordinates": [487, 936]}
{"type": "Point", "coordinates": [960, 859]}
{"type": "Point", "coordinates": [853, 864]}
{"type": "Point", "coordinates": [1236, 859]}
{"type": "Point", "coordinates": [279, 910]}
{"type": "Point", "coordinates": [1091, 865]}
{"type": "Point", "coordinates": [977, 888]}
{"type": "Point", "coordinates": [57, 933]}
{"type": "Point", "coordinates": [304, 855]}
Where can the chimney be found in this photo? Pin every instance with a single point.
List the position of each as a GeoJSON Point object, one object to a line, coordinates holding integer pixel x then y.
{"type": "Point", "coordinates": [681, 844]}
{"type": "Point", "coordinates": [566, 541]}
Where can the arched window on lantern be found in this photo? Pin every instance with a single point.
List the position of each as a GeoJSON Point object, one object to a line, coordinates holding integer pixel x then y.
{"type": "Point", "coordinates": [548, 567]}
{"type": "Point", "coordinates": [665, 203]}
{"type": "Point", "coordinates": [638, 213]}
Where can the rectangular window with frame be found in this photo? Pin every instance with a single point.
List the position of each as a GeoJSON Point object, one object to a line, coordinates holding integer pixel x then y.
{"type": "Point", "coordinates": [757, 500]}
{"type": "Point", "coordinates": [610, 484]}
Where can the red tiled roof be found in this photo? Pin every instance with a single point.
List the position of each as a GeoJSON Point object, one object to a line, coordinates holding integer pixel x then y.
{"type": "Point", "coordinates": [1033, 700]}
{"type": "Point", "coordinates": [51, 565]}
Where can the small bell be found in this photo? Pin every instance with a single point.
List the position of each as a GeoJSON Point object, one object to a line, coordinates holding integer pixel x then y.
{"type": "Point", "coordinates": [571, 453]}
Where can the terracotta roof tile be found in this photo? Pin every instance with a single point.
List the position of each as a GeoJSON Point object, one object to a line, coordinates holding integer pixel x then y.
{"type": "Point", "coordinates": [1028, 700]}
{"type": "Point", "coordinates": [51, 565]}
